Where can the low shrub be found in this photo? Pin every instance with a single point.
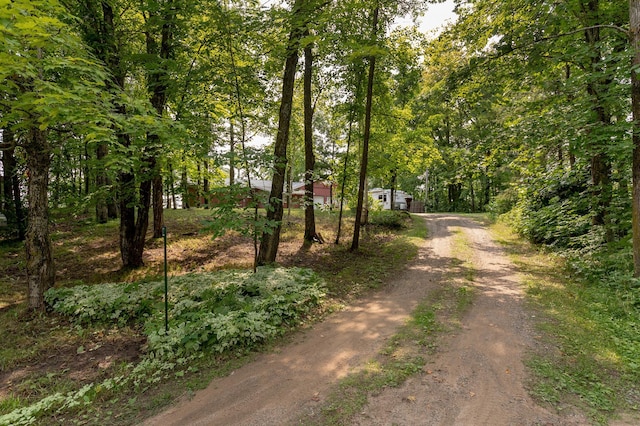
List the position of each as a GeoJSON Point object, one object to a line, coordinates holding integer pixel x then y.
{"type": "Point", "coordinates": [220, 311]}
{"type": "Point", "coordinates": [391, 219]}
{"type": "Point", "coordinates": [210, 311]}
{"type": "Point", "coordinates": [503, 202]}
{"type": "Point", "coordinates": [119, 303]}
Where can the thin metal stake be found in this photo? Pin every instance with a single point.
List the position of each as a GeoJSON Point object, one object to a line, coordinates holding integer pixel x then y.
{"type": "Point", "coordinates": [166, 282]}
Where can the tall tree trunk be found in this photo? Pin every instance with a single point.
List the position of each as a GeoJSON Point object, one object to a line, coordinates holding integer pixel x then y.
{"type": "Point", "coordinates": [232, 154]}
{"type": "Point", "coordinates": [271, 238]}
{"type": "Point", "coordinates": [601, 180]}
{"type": "Point", "coordinates": [40, 268]}
{"type": "Point", "coordinates": [344, 179]}
{"type": "Point", "coordinates": [289, 191]}
{"type": "Point", "coordinates": [365, 208]}
{"type": "Point", "coordinates": [8, 169]}
{"type": "Point", "coordinates": [172, 185]}
{"type": "Point", "coordinates": [309, 158]}
{"type": "Point", "coordinates": [473, 195]}
{"type": "Point", "coordinates": [205, 183]}
{"type": "Point", "coordinates": [3, 194]}
{"type": "Point", "coordinates": [112, 206]}
{"type": "Point", "coordinates": [102, 210]}
{"type": "Point", "coordinates": [367, 135]}
{"type": "Point", "coordinates": [13, 199]}
{"type": "Point", "coordinates": [634, 32]}
{"type": "Point", "coordinates": [133, 228]}
{"type": "Point", "coordinates": [158, 203]}
{"type": "Point", "coordinates": [199, 189]}
{"type": "Point", "coordinates": [394, 178]}
{"type": "Point", "coordinates": [184, 183]}
{"type": "Point", "coordinates": [158, 81]}
{"type": "Point", "coordinates": [352, 114]}
{"type": "Point", "coordinates": [600, 163]}
{"type": "Point", "coordinates": [86, 173]}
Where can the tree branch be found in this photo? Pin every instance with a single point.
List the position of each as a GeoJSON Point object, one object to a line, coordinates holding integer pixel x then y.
{"type": "Point", "coordinates": [580, 30]}
{"type": "Point", "coordinates": [6, 146]}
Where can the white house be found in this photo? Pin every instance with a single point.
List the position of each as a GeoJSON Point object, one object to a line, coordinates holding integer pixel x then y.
{"type": "Point", "coordinates": [402, 200]}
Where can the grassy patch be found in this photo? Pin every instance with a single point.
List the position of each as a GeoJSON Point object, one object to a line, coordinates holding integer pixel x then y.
{"type": "Point", "coordinates": [382, 251]}
{"type": "Point", "coordinates": [589, 339]}
{"type": "Point", "coordinates": [464, 253]}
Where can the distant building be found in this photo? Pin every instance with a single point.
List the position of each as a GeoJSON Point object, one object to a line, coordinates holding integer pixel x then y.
{"type": "Point", "coordinates": [323, 195]}
{"type": "Point", "coordinates": [402, 200]}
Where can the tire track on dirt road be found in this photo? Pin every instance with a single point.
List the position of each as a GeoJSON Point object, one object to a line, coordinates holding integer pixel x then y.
{"type": "Point", "coordinates": [478, 376]}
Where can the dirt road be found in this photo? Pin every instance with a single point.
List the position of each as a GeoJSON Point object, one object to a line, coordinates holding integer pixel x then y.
{"type": "Point", "coordinates": [476, 378]}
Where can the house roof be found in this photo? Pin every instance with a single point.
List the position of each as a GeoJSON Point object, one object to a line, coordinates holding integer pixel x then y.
{"type": "Point", "coordinates": [297, 188]}
{"type": "Point", "coordinates": [262, 185]}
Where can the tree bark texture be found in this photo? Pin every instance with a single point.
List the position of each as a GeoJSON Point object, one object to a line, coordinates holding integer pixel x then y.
{"type": "Point", "coordinates": [597, 88]}
{"type": "Point", "coordinates": [355, 243]}
{"type": "Point", "coordinates": [232, 153]}
{"type": "Point", "coordinates": [158, 204]}
{"type": "Point", "coordinates": [634, 33]}
{"type": "Point", "coordinates": [40, 268]}
{"type": "Point", "coordinates": [102, 180]}
{"type": "Point", "coordinates": [158, 81]}
{"type": "Point", "coordinates": [271, 238]}
{"type": "Point", "coordinates": [133, 228]}
{"type": "Point", "coordinates": [309, 158]}
{"type": "Point", "coordinates": [13, 200]}
{"type": "Point", "coordinates": [394, 178]}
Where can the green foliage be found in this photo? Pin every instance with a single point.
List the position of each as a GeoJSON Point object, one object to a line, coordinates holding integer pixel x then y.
{"type": "Point", "coordinates": [221, 311]}
{"type": "Point", "coordinates": [555, 210]}
{"type": "Point", "coordinates": [229, 310]}
{"type": "Point", "coordinates": [596, 329]}
{"type": "Point", "coordinates": [215, 311]}
{"type": "Point", "coordinates": [106, 303]}
{"type": "Point", "coordinates": [227, 215]}
{"type": "Point", "coordinates": [503, 202]}
{"type": "Point", "coordinates": [391, 219]}
{"type": "Point", "coordinates": [46, 71]}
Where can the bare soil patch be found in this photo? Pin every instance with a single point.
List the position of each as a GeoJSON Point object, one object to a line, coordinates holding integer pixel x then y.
{"type": "Point", "coordinates": [79, 360]}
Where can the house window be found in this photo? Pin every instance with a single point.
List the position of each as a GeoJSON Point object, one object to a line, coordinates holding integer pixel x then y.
{"type": "Point", "coordinates": [382, 198]}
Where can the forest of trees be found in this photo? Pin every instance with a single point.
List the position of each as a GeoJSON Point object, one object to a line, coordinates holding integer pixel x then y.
{"type": "Point", "coordinates": [119, 107]}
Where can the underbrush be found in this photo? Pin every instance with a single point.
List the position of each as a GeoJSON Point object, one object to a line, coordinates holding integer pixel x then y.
{"type": "Point", "coordinates": [212, 312]}
{"type": "Point", "coordinates": [391, 219]}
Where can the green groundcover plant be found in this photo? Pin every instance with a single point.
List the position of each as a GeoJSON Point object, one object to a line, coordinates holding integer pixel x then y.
{"type": "Point", "coordinates": [208, 312]}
